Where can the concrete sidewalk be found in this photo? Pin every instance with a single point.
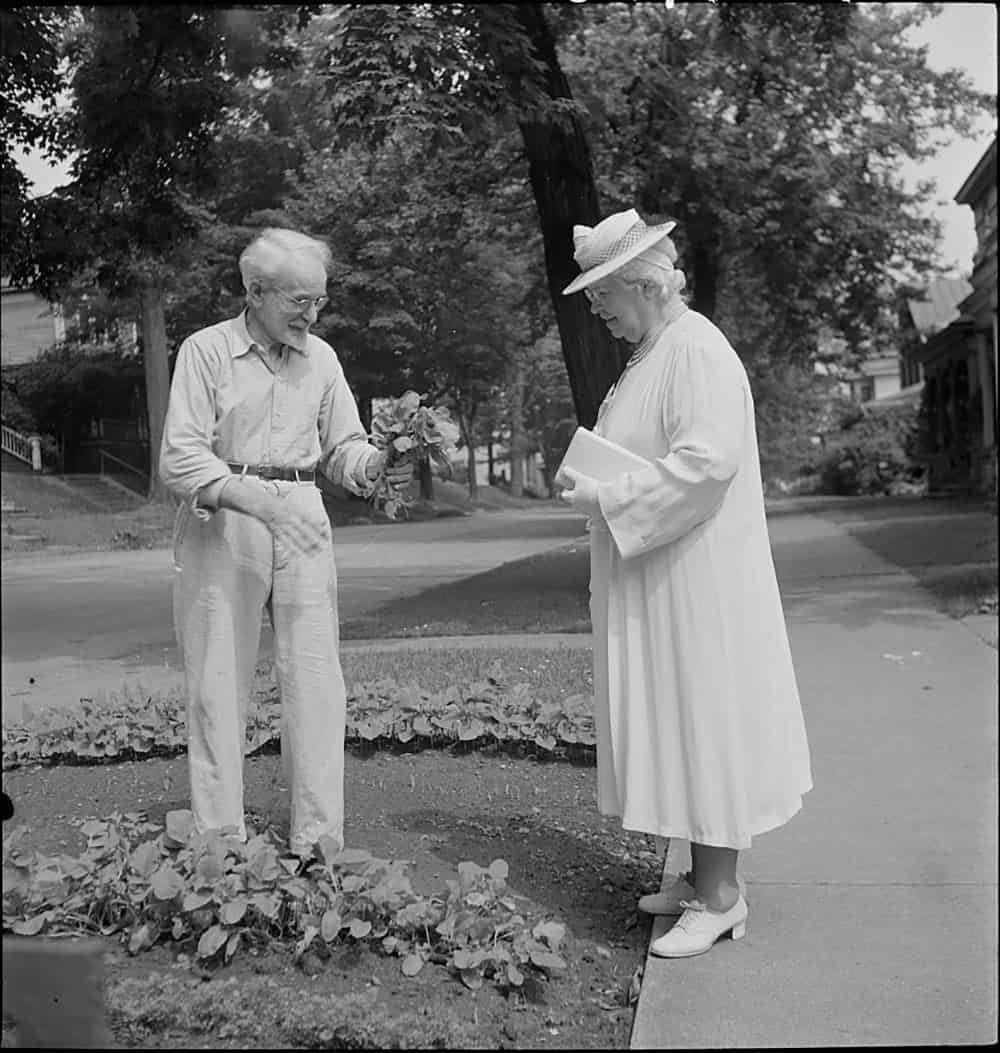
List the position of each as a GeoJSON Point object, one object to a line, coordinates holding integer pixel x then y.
{"type": "Point", "coordinates": [873, 915]}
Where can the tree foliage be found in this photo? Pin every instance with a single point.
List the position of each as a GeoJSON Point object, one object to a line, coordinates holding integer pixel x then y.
{"type": "Point", "coordinates": [442, 70]}
{"type": "Point", "coordinates": [445, 152]}
{"type": "Point", "coordinates": [150, 86]}
{"type": "Point", "coordinates": [30, 80]}
{"type": "Point", "coordinates": [434, 263]}
{"type": "Point", "coordinates": [774, 134]}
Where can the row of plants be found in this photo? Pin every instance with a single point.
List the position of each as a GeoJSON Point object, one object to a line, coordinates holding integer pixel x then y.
{"type": "Point", "coordinates": [381, 713]}
{"type": "Point", "coordinates": [210, 894]}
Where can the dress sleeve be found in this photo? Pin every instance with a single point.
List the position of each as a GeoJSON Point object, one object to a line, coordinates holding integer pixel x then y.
{"type": "Point", "coordinates": [704, 418]}
{"type": "Point", "coordinates": [344, 446]}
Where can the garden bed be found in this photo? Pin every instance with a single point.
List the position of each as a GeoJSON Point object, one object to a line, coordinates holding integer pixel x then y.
{"type": "Point", "coordinates": [437, 811]}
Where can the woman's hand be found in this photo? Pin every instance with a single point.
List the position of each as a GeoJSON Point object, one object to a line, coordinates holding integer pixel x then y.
{"type": "Point", "coordinates": [583, 494]}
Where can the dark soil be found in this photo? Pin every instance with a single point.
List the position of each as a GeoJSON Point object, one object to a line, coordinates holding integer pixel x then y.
{"type": "Point", "coordinates": [436, 809]}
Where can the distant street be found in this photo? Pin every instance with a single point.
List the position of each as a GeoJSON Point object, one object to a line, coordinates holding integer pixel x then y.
{"type": "Point", "coordinates": [117, 605]}
{"type": "Point", "coordinates": [97, 622]}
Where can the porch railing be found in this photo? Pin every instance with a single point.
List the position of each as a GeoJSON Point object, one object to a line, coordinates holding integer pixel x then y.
{"type": "Point", "coordinates": [137, 479]}
{"type": "Point", "coordinates": [27, 448]}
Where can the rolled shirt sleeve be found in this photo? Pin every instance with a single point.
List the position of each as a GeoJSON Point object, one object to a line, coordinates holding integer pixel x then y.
{"type": "Point", "coordinates": [187, 461]}
{"type": "Point", "coordinates": [345, 448]}
{"type": "Point", "coordinates": [705, 418]}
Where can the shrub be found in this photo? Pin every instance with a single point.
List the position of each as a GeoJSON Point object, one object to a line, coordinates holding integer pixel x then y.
{"type": "Point", "coordinates": [66, 388]}
{"type": "Point", "coordinates": [15, 414]}
{"type": "Point", "coordinates": [873, 454]}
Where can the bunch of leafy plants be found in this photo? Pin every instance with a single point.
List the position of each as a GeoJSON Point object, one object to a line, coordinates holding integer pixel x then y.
{"type": "Point", "coordinates": [410, 430]}
{"type": "Point", "coordinates": [381, 713]}
{"type": "Point", "coordinates": [209, 894]}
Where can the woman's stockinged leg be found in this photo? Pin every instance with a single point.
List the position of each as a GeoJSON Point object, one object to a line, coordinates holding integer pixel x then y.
{"type": "Point", "coordinates": [714, 875]}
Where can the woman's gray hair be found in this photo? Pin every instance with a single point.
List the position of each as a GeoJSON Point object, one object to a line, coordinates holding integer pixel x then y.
{"type": "Point", "coordinates": [262, 258]}
{"type": "Point", "coordinates": [655, 267]}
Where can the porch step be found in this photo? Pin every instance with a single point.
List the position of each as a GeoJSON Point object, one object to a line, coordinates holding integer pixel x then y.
{"type": "Point", "coordinates": [35, 540]}
{"type": "Point", "coordinates": [8, 507]}
{"type": "Point", "coordinates": [102, 494]}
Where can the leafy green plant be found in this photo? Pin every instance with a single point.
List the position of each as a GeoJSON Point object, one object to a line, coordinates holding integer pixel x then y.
{"type": "Point", "coordinates": [381, 713]}
{"type": "Point", "coordinates": [872, 453]}
{"type": "Point", "coordinates": [211, 894]}
{"type": "Point", "coordinates": [413, 432]}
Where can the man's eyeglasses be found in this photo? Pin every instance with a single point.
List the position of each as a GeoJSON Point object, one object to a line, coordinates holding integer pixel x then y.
{"type": "Point", "coordinates": [303, 303]}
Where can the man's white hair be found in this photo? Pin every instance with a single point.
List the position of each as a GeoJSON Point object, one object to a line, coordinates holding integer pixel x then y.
{"type": "Point", "coordinates": [263, 258]}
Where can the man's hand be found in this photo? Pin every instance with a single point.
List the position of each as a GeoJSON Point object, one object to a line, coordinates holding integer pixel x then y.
{"type": "Point", "coordinates": [300, 525]}
{"type": "Point", "coordinates": [304, 530]}
{"type": "Point", "coordinates": [398, 476]}
{"type": "Point", "coordinates": [583, 493]}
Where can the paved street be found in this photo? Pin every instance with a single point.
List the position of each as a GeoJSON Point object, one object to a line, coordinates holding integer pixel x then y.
{"type": "Point", "coordinates": [117, 604]}
{"type": "Point", "coordinates": [95, 621]}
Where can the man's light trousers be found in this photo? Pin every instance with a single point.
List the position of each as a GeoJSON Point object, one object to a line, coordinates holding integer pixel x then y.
{"type": "Point", "coordinates": [227, 570]}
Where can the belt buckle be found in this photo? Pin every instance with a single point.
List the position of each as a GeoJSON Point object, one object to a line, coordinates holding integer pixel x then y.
{"type": "Point", "coordinates": [267, 471]}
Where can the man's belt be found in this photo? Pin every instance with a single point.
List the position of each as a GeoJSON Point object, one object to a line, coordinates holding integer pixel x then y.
{"type": "Point", "coordinates": [270, 471]}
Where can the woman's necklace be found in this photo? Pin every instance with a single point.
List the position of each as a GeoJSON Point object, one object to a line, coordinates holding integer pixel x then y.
{"type": "Point", "coordinates": [648, 342]}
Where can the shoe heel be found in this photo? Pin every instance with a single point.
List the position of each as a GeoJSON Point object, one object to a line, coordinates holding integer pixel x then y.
{"type": "Point", "coordinates": [739, 931]}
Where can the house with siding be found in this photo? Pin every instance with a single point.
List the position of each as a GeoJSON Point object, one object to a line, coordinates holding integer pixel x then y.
{"type": "Point", "coordinates": [959, 360]}
{"type": "Point", "coordinates": [30, 324]}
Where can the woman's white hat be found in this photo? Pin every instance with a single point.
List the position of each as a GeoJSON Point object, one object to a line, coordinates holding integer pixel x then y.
{"type": "Point", "coordinates": [611, 244]}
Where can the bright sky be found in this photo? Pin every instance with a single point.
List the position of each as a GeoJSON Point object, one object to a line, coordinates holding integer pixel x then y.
{"type": "Point", "coordinates": [962, 36]}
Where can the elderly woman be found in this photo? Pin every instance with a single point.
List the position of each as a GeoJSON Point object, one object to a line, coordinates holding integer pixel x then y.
{"type": "Point", "coordinates": [699, 727]}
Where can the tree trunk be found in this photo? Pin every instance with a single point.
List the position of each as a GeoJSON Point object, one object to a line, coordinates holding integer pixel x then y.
{"type": "Point", "coordinates": [426, 480]}
{"type": "Point", "coordinates": [157, 370]}
{"type": "Point", "coordinates": [562, 180]}
{"type": "Point", "coordinates": [465, 427]}
{"type": "Point", "coordinates": [490, 474]}
{"type": "Point", "coordinates": [516, 425]}
{"type": "Point", "coordinates": [365, 411]}
{"type": "Point", "coordinates": [470, 461]}
{"type": "Point", "coordinates": [705, 278]}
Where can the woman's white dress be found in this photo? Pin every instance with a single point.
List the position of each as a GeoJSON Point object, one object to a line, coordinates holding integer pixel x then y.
{"type": "Point", "coordinates": [699, 726]}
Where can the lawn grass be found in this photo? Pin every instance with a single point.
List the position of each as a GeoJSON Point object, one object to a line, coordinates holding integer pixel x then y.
{"type": "Point", "coordinates": [552, 672]}
{"type": "Point", "coordinates": [544, 593]}
{"type": "Point", "coordinates": [961, 591]}
{"type": "Point", "coordinates": [955, 559]}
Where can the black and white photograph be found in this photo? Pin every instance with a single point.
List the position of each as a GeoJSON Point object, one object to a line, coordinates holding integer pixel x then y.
{"type": "Point", "coordinates": [498, 525]}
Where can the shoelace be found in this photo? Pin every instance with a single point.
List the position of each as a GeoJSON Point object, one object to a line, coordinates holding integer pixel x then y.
{"type": "Point", "coordinates": [692, 909]}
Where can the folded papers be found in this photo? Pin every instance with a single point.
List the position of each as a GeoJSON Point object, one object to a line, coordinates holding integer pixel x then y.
{"type": "Point", "coordinates": [600, 458]}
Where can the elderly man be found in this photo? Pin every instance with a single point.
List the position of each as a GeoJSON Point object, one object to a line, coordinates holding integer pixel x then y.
{"type": "Point", "coordinates": [258, 405]}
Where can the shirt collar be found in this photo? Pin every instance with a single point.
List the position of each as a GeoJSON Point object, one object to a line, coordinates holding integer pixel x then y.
{"type": "Point", "coordinates": [244, 342]}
